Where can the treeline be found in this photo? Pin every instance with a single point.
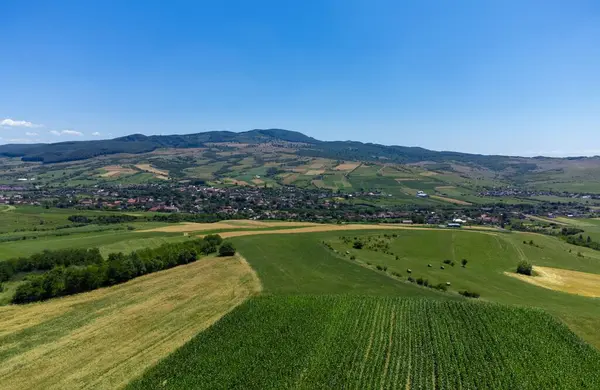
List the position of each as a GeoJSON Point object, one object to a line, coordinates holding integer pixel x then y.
{"type": "Point", "coordinates": [83, 273]}
{"type": "Point", "coordinates": [47, 260]}
{"type": "Point", "coordinates": [580, 241]}
{"type": "Point", "coordinates": [125, 218]}
{"type": "Point", "coordinates": [102, 219]}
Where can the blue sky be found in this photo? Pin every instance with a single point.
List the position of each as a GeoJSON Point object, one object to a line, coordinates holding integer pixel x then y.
{"type": "Point", "coordinates": [503, 77]}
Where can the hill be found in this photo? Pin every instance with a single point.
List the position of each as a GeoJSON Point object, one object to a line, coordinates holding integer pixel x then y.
{"type": "Point", "coordinates": [277, 157]}
{"type": "Point", "coordinates": [347, 150]}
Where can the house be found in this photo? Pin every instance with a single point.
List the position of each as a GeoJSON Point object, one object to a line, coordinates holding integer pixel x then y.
{"type": "Point", "coordinates": [421, 194]}
{"type": "Point", "coordinates": [407, 221]}
{"type": "Point", "coordinates": [454, 225]}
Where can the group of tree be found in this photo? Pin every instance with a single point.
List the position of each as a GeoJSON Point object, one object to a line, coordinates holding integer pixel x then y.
{"type": "Point", "coordinates": [525, 268]}
{"type": "Point", "coordinates": [46, 260]}
{"type": "Point", "coordinates": [102, 219]}
{"type": "Point", "coordinates": [585, 242]}
{"type": "Point", "coordinates": [85, 274]}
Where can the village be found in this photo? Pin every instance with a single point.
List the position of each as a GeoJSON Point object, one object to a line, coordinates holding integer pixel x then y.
{"type": "Point", "coordinates": [283, 203]}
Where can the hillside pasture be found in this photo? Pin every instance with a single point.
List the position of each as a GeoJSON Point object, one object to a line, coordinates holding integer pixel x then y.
{"type": "Point", "coordinates": [105, 338]}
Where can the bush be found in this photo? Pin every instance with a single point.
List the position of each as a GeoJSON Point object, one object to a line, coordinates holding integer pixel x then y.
{"type": "Point", "coordinates": [447, 261]}
{"type": "Point", "coordinates": [469, 294]}
{"type": "Point", "coordinates": [227, 249]}
{"type": "Point", "coordinates": [525, 268]}
{"type": "Point", "coordinates": [357, 244]}
{"type": "Point", "coordinates": [352, 257]}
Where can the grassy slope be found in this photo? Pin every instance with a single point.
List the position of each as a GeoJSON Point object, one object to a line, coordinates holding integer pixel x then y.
{"type": "Point", "coordinates": [340, 342]}
{"type": "Point", "coordinates": [490, 255]}
{"type": "Point", "coordinates": [300, 264]}
{"type": "Point", "coordinates": [103, 338]}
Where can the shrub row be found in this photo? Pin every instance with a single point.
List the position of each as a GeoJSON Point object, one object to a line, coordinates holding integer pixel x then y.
{"type": "Point", "coordinates": [47, 260]}
{"type": "Point", "coordinates": [64, 280]}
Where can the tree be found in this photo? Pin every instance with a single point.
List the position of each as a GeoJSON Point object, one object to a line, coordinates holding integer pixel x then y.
{"type": "Point", "coordinates": [357, 244]}
{"type": "Point", "coordinates": [464, 262]}
{"type": "Point", "coordinates": [525, 268]}
{"type": "Point", "coordinates": [227, 249]}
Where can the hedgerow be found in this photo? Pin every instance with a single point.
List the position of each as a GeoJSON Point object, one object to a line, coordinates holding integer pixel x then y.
{"type": "Point", "coordinates": [84, 270]}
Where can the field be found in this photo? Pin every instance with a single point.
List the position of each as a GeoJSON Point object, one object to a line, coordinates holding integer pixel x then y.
{"type": "Point", "coordinates": [105, 338]}
{"type": "Point", "coordinates": [352, 342]}
{"type": "Point", "coordinates": [572, 282]}
{"type": "Point", "coordinates": [329, 315]}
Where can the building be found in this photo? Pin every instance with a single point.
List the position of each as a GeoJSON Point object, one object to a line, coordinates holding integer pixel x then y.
{"type": "Point", "coordinates": [454, 225]}
{"type": "Point", "coordinates": [421, 194]}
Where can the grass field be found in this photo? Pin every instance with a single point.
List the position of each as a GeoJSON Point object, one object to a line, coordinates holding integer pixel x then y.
{"type": "Point", "coordinates": [105, 338]}
{"type": "Point", "coordinates": [367, 343]}
{"type": "Point", "coordinates": [329, 318]}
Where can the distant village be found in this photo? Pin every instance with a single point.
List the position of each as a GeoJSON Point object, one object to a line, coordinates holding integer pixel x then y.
{"type": "Point", "coordinates": [284, 203]}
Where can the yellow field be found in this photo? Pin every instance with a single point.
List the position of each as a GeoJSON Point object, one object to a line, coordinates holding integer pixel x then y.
{"type": "Point", "coordinates": [450, 200]}
{"type": "Point", "coordinates": [229, 180]}
{"type": "Point", "coordinates": [330, 228]}
{"type": "Point", "coordinates": [224, 225]}
{"type": "Point", "coordinates": [116, 170]}
{"type": "Point", "coordinates": [572, 282]}
{"type": "Point", "coordinates": [158, 173]}
{"type": "Point", "coordinates": [347, 166]}
{"type": "Point", "coordinates": [105, 338]}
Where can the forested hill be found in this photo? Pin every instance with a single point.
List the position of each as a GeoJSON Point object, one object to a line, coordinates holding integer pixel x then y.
{"type": "Point", "coordinates": [306, 146]}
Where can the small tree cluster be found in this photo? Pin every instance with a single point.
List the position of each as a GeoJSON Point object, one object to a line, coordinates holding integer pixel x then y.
{"type": "Point", "coordinates": [525, 268]}
{"type": "Point", "coordinates": [469, 294]}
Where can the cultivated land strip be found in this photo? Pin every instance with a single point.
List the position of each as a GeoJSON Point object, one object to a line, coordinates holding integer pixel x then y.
{"type": "Point", "coordinates": [105, 338]}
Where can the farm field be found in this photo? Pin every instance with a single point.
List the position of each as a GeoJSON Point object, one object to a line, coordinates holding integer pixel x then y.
{"type": "Point", "coordinates": [311, 277]}
{"type": "Point", "coordinates": [104, 338]}
{"type": "Point", "coordinates": [330, 342]}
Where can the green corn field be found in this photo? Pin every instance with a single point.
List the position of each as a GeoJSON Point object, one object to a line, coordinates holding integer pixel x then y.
{"type": "Point", "coordinates": [335, 342]}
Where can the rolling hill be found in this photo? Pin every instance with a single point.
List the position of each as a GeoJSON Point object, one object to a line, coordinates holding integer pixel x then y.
{"type": "Point", "coordinates": [276, 157]}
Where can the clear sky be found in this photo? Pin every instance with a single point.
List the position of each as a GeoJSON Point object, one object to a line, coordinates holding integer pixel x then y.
{"type": "Point", "coordinates": [506, 77]}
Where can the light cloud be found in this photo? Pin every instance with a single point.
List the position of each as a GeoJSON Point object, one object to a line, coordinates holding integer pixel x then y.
{"type": "Point", "coordinates": [31, 134]}
{"type": "Point", "coordinates": [13, 123]}
{"type": "Point", "coordinates": [96, 134]}
{"type": "Point", "coordinates": [71, 132]}
{"type": "Point", "coordinates": [20, 141]}
{"type": "Point", "coordinates": [66, 132]}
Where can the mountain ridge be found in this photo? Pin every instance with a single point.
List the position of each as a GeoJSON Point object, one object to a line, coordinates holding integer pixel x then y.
{"type": "Point", "coordinates": [307, 146]}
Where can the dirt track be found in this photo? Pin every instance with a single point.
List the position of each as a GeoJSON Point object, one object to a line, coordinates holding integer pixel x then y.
{"type": "Point", "coordinates": [332, 228]}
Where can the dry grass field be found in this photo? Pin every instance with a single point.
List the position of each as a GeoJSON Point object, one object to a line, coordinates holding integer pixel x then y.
{"type": "Point", "coordinates": [347, 166]}
{"type": "Point", "coordinates": [451, 200]}
{"type": "Point", "coordinates": [572, 282]}
{"type": "Point", "coordinates": [159, 173]}
{"type": "Point", "coordinates": [116, 170]}
{"type": "Point", "coordinates": [105, 338]}
{"type": "Point", "coordinates": [225, 225]}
